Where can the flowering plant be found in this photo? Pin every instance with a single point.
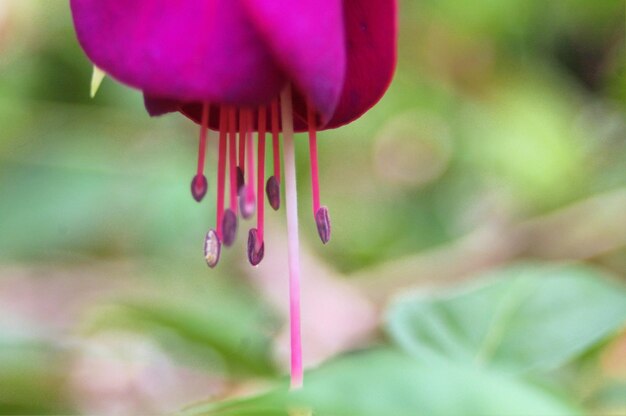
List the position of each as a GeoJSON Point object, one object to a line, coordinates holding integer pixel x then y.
{"type": "Point", "coordinates": [245, 66]}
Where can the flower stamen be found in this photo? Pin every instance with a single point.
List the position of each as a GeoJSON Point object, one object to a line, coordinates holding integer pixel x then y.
{"type": "Point", "coordinates": [213, 239]}
{"type": "Point", "coordinates": [273, 183]}
{"type": "Point", "coordinates": [320, 213]}
{"type": "Point", "coordinates": [229, 221]}
{"type": "Point", "coordinates": [221, 170]}
{"type": "Point", "coordinates": [199, 184]}
{"type": "Point", "coordinates": [241, 158]}
{"type": "Point", "coordinates": [256, 245]}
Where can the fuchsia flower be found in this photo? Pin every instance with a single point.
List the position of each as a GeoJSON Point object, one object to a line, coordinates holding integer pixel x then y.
{"type": "Point", "coordinates": [244, 66]}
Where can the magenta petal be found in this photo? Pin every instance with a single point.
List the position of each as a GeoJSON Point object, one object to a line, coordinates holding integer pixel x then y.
{"type": "Point", "coordinates": [307, 38]}
{"type": "Point", "coordinates": [191, 50]}
{"type": "Point", "coordinates": [371, 28]}
{"type": "Point", "coordinates": [159, 106]}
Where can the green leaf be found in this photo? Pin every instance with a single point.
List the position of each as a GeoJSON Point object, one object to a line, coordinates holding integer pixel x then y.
{"type": "Point", "coordinates": [525, 317]}
{"type": "Point", "coordinates": [33, 377]}
{"type": "Point", "coordinates": [203, 325]}
{"type": "Point", "coordinates": [385, 382]}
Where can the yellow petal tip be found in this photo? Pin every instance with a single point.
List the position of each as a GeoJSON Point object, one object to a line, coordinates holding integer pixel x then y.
{"type": "Point", "coordinates": [96, 80]}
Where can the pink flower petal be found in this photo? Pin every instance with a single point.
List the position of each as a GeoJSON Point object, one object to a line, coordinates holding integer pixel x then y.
{"type": "Point", "coordinates": [159, 106]}
{"type": "Point", "coordinates": [371, 28]}
{"type": "Point", "coordinates": [307, 38]}
{"type": "Point", "coordinates": [371, 32]}
{"type": "Point", "coordinates": [190, 50]}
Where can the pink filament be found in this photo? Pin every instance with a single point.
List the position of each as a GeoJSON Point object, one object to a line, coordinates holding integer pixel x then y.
{"type": "Point", "coordinates": [275, 139]}
{"type": "Point", "coordinates": [221, 169]}
{"type": "Point", "coordinates": [315, 183]}
{"type": "Point", "coordinates": [262, 121]}
{"type": "Point", "coordinates": [202, 144]}
{"type": "Point", "coordinates": [292, 236]}
{"type": "Point", "coordinates": [242, 140]}
{"type": "Point", "coordinates": [232, 153]}
{"type": "Point", "coordinates": [249, 155]}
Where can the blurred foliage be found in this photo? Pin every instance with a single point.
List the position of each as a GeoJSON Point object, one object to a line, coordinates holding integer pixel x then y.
{"type": "Point", "coordinates": [462, 350]}
{"type": "Point", "coordinates": [32, 378]}
{"type": "Point", "coordinates": [385, 382]}
{"type": "Point", "coordinates": [231, 336]}
{"type": "Point", "coordinates": [529, 319]}
{"type": "Point", "coordinates": [504, 117]}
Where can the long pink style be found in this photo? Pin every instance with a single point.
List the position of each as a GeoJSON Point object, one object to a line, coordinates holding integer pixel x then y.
{"type": "Point", "coordinates": [291, 195]}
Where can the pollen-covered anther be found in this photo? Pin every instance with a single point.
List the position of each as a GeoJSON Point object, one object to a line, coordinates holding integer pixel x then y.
{"type": "Point", "coordinates": [256, 248]}
{"type": "Point", "coordinates": [199, 187]}
{"type": "Point", "coordinates": [273, 192]}
{"type": "Point", "coordinates": [199, 183]}
{"type": "Point", "coordinates": [212, 248]}
{"type": "Point", "coordinates": [322, 220]}
{"type": "Point", "coordinates": [229, 227]}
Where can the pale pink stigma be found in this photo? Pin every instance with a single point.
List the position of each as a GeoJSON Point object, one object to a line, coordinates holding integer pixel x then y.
{"type": "Point", "coordinates": [246, 193]}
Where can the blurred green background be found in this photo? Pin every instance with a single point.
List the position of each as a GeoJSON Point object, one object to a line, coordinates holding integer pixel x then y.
{"type": "Point", "coordinates": [478, 260]}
